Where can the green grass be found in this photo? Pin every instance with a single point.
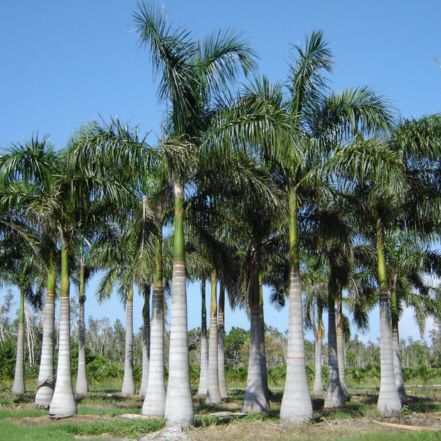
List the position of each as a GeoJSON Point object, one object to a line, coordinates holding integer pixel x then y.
{"type": "Point", "coordinates": [127, 428]}
{"type": "Point", "coordinates": [67, 430]}
{"type": "Point", "coordinates": [12, 432]}
{"type": "Point", "coordinates": [16, 413]}
{"type": "Point", "coordinates": [98, 414]}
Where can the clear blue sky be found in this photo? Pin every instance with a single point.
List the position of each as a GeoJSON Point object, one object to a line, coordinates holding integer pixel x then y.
{"type": "Point", "coordinates": [64, 63]}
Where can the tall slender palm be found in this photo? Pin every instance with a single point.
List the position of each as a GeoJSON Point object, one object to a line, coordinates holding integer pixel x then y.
{"type": "Point", "coordinates": [203, 375]}
{"type": "Point", "coordinates": [341, 337]}
{"type": "Point", "coordinates": [76, 190]}
{"type": "Point", "coordinates": [128, 386]}
{"type": "Point", "coordinates": [145, 340]}
{"type": "Point", "coordinates": [119, 147]}
{"type": "Point", "coordinates": [407, 259]}
{"type": "Point", "coordinates": [120, 259]}
{"type": "Point", "coordinates": [210, 256]}
{"type": "Point", "coordinates": [23, 273]}
{"type": "Point", "coordinates": [45, 381]}
{"type": "Point", "coordinates": [154, 402]}
{"type": "Point", "coordinates": [306, 84]}
{"type": "Point", "coordinates": [250, 222]}
{"type": "Point", "coordinates": [330, 238]}
{"type": "Point", "coordinates": [383, 170]}
{"type": "Point", "coordinates": [62, 193]}
{"type": "Point", "coordinates": [314, 281]}
{"type": "Point", "coordinates": [28, 170]}
{"type": "Point", "coordinates": [191, 74]}
{"type": "Point", "coordinates": [220, 342]}
{"type": "Point", "coordinates": [213, 391]}
{"type": "Point", "coordinates": [85, 271]}
{"type": "Point", "coordinates": [81, 384]}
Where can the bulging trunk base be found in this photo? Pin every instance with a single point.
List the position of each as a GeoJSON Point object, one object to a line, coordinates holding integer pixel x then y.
{"type": "Point", "coordinates": [335, 397]}
{"type": "Point", "coordinates": [389, 407]}
{"type": "Point", "coordinates": [296, 404]}
{"type": "Point", "coordinates": [178, 403]}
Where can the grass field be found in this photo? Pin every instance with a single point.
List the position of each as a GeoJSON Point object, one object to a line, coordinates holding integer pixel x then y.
{"type": "Point", "coordinates": [102, 416]}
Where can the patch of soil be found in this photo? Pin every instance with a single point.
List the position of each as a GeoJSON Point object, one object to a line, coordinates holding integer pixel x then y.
{"type": "Point", "coordinates": [168, 434]}
{"type": "Point", "coordinates": [268, 431]}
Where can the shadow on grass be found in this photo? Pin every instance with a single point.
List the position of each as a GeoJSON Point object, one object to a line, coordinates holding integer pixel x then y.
{"type": "Point", "coordinates": [420, 404]}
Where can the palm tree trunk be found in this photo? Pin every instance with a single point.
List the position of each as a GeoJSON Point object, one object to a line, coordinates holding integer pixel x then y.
{"type": "Point", "coordinates": [262, 338]}
{"type": "Point", "coordinates": [81, 386]}
{"type": "Point", "coordinates": [341, 347]}
{"type": "Point", "coordinates": [45, 382]}
{"type": "Point", "coordinates": [318, 383]}
{"type": "Point", "coordinates": [335, 396]}
{"type": "Point", "coordinates": [256, 394]}
{"type": "Point", "coordinates": [398, 373]}
{"type": "Point", "coordinates": [128, 387]}
{"type": "Point", "coordinates": [389, 403]}
{"type": "Point", "coordinates": [145, 341]}
{"type": "Point", "coordinates": [220, 343]}
{"type": "Point", "coordinates": [63, 402]}
{"type": "Point", "coordinates": [296, 402]}
{"type": "Point", "coordinates": [154, 402]}
{"type": "Point", "coordinates": [178, 404]}
{"type": "Point", "coordinates": [213, 395]}
{"type": "Point", "coordinates": [203, 376]}
{"type": "Point", "coordinates": [18, 386]}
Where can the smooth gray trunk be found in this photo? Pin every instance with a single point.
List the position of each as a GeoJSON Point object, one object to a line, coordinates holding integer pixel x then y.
{"type": "Point", "coordinates": [341, 351]}
{"type": "Point", "coordinates": [128, 387]}
{"type": "Point", "coordinates": [256, 394]}
{"type": "Point", "coordinates": [398, 373]}
{"type": "Point", "coordinates": [342, 363]}
{"type": "Point", "coordinates": [335, 396]}
{"type": "Point", "coordinates": [221, 358]}
{"type": "Point", "coordinates": [318, 383]}
{"type": "Point", "coordinates": [213, 393]}
{"type": "Point", "coordinates": [154, 401]}
{"type": "Point", "coordinates": [145, 342]}
{"type": "Point", "coordinates": [203, 375]}
{"type": "Point", "coordinates": [389, 403]}
{"type": "Point", "coordinates": [178, 403]}
{"type": "Point", "coordinates": [63, 402]}
{"type": "Point", "coordinates": [81, 387]}
{"type": "Point", "coordinates": [296, 402]}
{"type": "Point", "coordinates": [45, 382]}
{"type": "Point", "coordinates": [18, 386]}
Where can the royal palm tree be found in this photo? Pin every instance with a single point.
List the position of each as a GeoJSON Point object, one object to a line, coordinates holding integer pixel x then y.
{"type": "Point", "coordinates": [220, 342]}
{"type": "Point", "coordinates": [192, 73]}
{"type": "Point", "coordinates": [389, 192]}
{"type": "Point", "coordinates": [85, 272]}
{"type": "Point", "coordinates": [251, 221]}
{"type": "Point", "coordinates": [27, 171]}
{"type": "Point", "coordinates": [407, 259]}
{"type": "Point", "coordinates": [22, 271]}
{"type": "Point", "coordinates": [305, 88]}
{"type": "Point", "coordinates": [203, 374]}
{"type": "Point", "coordinates": [154, 402]}
{"type": "Point", "coordinates": [314, 282]}
{"type": "Point", "coordinates": [213, 391]}
{"type": "Point", "coordinates": [145, 339]}
{"type": "Point", "coordinates": [120, 148]}
{"type": "Point", "coordinates": [119, 253]}
{"type": "Point", "coordinates": [45, 381]}
{"type": "Point", "coordinates": [61, 194]}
